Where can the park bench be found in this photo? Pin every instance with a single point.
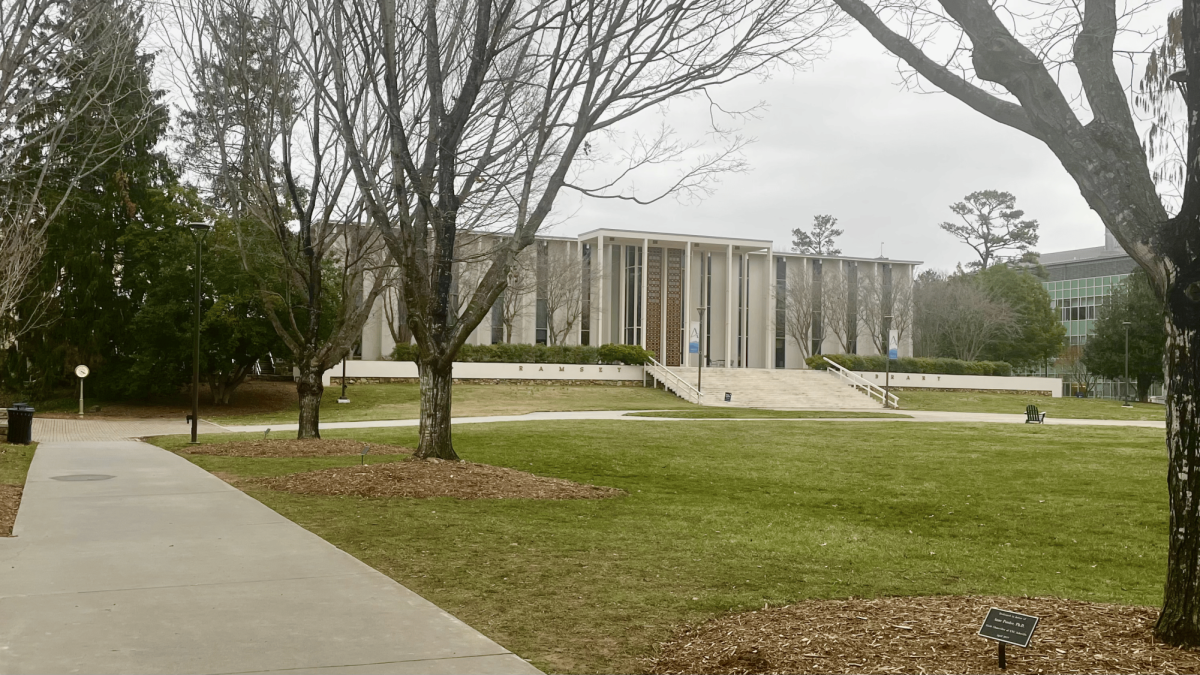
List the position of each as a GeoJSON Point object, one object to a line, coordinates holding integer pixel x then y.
{"type": "Point", "coordinates": [3, 424]}
{"type": "Point", "coordinates": [1032, 416]}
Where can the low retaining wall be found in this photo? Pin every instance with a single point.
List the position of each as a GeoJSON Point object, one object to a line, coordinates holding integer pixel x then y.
{"type": "Point", "coordinates": [1044, 386]}
{"type": "Point", "coordinates": [547, 373]}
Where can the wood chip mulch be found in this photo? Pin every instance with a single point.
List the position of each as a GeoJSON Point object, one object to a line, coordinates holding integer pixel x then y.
{"type": "Point", "coordinates": [292, 447]}
{"type": "Point", "coordinates": [923, 635]}
{"type": "Point", "coordinates": [421, 479]}
{"type": "Point", "coordinates": [10, 499]}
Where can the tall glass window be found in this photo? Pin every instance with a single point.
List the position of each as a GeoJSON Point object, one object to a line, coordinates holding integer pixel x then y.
{"type": "Point", "coordinates": [852, 306]}
{"type": "Point", "coordinates": [780, 312]}
{"type": "Point", "coordinates": [541, 318]}
{"type": "Point", "coordinates": [633, 295]}
{"type": "Point", "coordinates": [818, 298]}
{"type": "Point", "coordinates": [585, 318]}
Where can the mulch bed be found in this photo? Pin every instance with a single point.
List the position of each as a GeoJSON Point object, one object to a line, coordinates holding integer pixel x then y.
{"type": "Point", "coordinates": [923, 635]}
{"type": "Point", "coordinates": [431, 478]}
{"type": "Point", "coordinates": [10, 499]}
{"type": "Point", "coordinates": [292, 447]}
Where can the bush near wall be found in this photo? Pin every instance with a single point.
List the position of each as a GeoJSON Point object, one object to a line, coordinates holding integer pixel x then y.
{"type": "Point", "coordinates": [632, 355]}
{"type": "Point", "coordinates": [928, 366]}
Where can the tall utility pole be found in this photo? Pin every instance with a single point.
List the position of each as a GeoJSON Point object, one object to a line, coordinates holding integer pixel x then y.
{"type": "Point", "coordinates": [1127, 404]}
{"type": "Point", "coordinates": [198, 230]}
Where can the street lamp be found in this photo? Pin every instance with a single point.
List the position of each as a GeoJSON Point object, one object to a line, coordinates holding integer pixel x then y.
{"type": "Point", "coordinates": [700, 356]}
{"type": "Point", "coordinates": [197, 230]}
{"type": "Point", "coordinates": [1126, 404]}
{"type": "Point", "coordinates": [342, 398]}
{"type": "Point", "coordinates": [887, 368]}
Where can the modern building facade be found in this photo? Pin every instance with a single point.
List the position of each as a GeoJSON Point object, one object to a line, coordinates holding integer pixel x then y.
{"type": "Point", "coordinates": [1079, 282]}
{"type": "Point", "coordinates": [761, 308]}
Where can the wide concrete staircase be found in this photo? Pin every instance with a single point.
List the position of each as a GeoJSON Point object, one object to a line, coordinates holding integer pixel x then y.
{"type": "Point", "coordinates": [767, 388]}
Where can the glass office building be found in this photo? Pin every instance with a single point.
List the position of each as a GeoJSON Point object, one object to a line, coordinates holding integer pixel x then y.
{"type": "Point", "coordinates": [1080, 282]}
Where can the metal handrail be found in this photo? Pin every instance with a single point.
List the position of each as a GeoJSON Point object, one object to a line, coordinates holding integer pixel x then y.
{"type": "Point", "coordinates": [872, 390]}
{"type": "Point", "coordinates": [657, 370]}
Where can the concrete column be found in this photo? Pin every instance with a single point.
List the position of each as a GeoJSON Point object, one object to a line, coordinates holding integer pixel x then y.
{"type": "Point", "coordinates": [645, 285]}
{"type": "Point", "coordinates": [769, 315]}
{"type": "Point", "coordinates": [688, 310]}
{"type": "Point", "coordinates": [599, 272]}
{"type": "Point", "coordinates": [619, 307]}
{"type": "Point", "coordinates": [730, 306]}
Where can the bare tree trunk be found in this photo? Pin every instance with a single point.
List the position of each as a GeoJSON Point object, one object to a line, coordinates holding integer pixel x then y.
{"type": "Point", "coordinates": [436, 380]}
{"type": "Point", "coordinates": [310, 389]}
{"type": "Point", "coordinates": [1177, 240]}
{"type": "Point", "coordinates": [1179, 622]}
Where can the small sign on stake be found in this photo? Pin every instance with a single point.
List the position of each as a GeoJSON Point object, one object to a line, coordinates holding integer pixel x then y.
{"type": "Point", "coordinates": [363, 457]}
{"type": "Point", "coordinates": [1007, 627]}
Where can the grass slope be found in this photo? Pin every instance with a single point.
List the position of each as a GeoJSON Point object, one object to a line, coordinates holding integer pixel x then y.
{"type": "Point", "coordinates": [403, 401]}
{"type": "Point", "coordinates": [731, 517]}
{"type": "Point", "coordinates": [14, 462]}
{"type": "Point", "coordinates": [998, 402]}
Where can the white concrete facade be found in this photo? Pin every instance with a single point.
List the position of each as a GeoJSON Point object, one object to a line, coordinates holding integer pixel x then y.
{"type": "Point", "coordinates": [645, 288]}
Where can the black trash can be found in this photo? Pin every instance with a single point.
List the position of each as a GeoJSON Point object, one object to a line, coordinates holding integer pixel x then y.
{"type": "Point", "coordinates": [20, 424]}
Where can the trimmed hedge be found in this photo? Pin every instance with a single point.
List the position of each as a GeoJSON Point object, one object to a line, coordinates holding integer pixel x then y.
{"type": "Point", "coordinates": [927, 366]}
{"type": "Point", "coordinates": [632, 355]}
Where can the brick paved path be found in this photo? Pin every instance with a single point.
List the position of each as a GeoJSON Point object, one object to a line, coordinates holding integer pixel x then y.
{"type": "Point", "coordinates": [47, 430]}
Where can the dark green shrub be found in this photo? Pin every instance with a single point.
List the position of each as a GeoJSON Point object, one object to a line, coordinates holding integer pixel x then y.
{"type": "Point", "coordinates": [632, 355]}
{"type": "Point", "coordinates": [928, 366]}
{"type": "Point", "coordinates": [522, 353]}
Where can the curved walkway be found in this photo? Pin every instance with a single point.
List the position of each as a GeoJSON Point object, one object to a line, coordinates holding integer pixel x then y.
{"type": "Point", "coordinates": [52, 430]}
{"type": "Point", "coordinates": [127, 558]}
{"type": "Point", "coordinates": [915, 416]}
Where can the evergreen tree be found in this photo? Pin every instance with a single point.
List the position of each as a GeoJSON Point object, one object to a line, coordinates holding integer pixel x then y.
{"type": "Point", "coordinates": [1039, 334]}
{"type": "Point", "coordinates": [1132, 300]}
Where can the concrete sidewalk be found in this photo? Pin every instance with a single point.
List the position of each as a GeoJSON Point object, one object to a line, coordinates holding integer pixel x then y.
{"type": "Point", "coordinates": [129, 559]}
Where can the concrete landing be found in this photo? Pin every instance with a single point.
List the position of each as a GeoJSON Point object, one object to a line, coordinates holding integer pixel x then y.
{"type": "Point", "coordinates": [164, 568]}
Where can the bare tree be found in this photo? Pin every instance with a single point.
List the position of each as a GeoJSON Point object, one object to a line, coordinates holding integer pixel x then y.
{"type": "Point", "coordinates": [563, 293]}
{"type": "Point", "coordinates": [1071, 363]}
{"type": "Point", "coordinates": [395, 315]}
{"type": "Point", "coordinates": [969, 318]}
{"type": "Point", "coordinates": [873, 306]}
{"type": "Point", "coordinates": [1005, 68]}
{"type": "Point", "coordinates": [798, 309]}
{"type": "Point", "coordinates": [478, 114]}
{"type": "Point", "coordinates": [520, 283]}
{"type": "Point", "coordinates": [835, 309]}
{"type": "Point", "coordinates": [279, 166]}
{"type": "Point", "coordinates": [57, 63]}
{"type": "Point", "coordinates": [903, 311]}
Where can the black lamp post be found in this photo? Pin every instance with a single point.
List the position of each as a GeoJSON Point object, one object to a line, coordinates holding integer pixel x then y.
{"type": "Point", "coordinates": [887, 367]}
{"type": "Point", "coordinates": [700, 357]}
{"type": "Point", "coordinates": [197, 230]}
{"type": "Point", "coordinates": [1126, 404]}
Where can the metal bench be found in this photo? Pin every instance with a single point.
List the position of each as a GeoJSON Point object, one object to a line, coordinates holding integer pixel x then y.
{"type": "Point", "coordinates": [1032, 416]}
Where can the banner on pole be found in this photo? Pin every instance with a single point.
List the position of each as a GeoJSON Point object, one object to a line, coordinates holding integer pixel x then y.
{"type": "Point", "coordinates": [694, 338]}
{"type": "Point", "coordinates": [893, 344]}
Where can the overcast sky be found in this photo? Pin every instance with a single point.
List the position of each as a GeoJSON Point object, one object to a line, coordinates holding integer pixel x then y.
{"type": "Point", "coordinates": [846, 139]}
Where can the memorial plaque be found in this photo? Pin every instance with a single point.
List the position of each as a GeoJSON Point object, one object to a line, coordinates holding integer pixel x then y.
{"type": "Point", "coordinates": [1012, 628]}
{"type": "Point", "coordinates": [728, 397]}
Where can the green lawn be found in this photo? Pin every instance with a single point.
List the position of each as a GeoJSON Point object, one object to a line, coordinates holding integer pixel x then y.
{"type": "Point", "coordinates": [998, 402]}
{"type": "Point", "coordinates": [403, 401]}
{"type": "Point", "coordinates": [726, 518]}
{"type": "Point", "coordinates": [14, 462]}
{"type": "Point", "coordinates": [759, 413]}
